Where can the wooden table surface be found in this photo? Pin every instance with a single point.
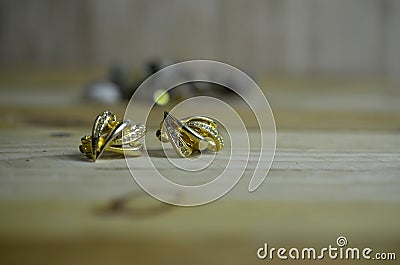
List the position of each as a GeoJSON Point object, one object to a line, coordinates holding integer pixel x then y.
{"type": "Point", "coordinates": [336, 172]}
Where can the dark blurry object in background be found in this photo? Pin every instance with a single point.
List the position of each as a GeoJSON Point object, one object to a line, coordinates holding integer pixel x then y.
{"type": "Point", "coordinates": [119, 76]}
{"type": "Point", "coordinates": [118, 87]}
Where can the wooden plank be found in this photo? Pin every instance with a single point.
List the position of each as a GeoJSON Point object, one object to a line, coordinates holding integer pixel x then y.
{"type": "Point", "coordinates": [56, 207]}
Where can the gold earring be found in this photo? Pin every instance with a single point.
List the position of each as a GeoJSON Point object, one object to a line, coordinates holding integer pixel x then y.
{"type": "Point", "coordinates": [196, 133]}
{"type": "Point", "coordinates": [111, 135]}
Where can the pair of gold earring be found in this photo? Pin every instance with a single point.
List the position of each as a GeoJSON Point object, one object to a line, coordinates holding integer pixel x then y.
{"type": "Point", "coordinates": [196, 133]}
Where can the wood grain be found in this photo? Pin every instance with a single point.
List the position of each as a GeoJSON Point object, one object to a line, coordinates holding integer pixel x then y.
{"type": "Point", "coordinates": [338, 177]}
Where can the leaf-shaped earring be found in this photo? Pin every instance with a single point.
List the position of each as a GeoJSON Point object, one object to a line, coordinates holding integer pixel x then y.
{"type": "Point", "coordinates": [195, 133]}
{"type": "Point", "coordinates": [109, 134]}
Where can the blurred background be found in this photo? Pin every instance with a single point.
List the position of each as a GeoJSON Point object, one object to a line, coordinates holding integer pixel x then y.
{"type": "Point", "coordinates": [308, 56]}
{"type": "Point", "coordinates": [357, 37]}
